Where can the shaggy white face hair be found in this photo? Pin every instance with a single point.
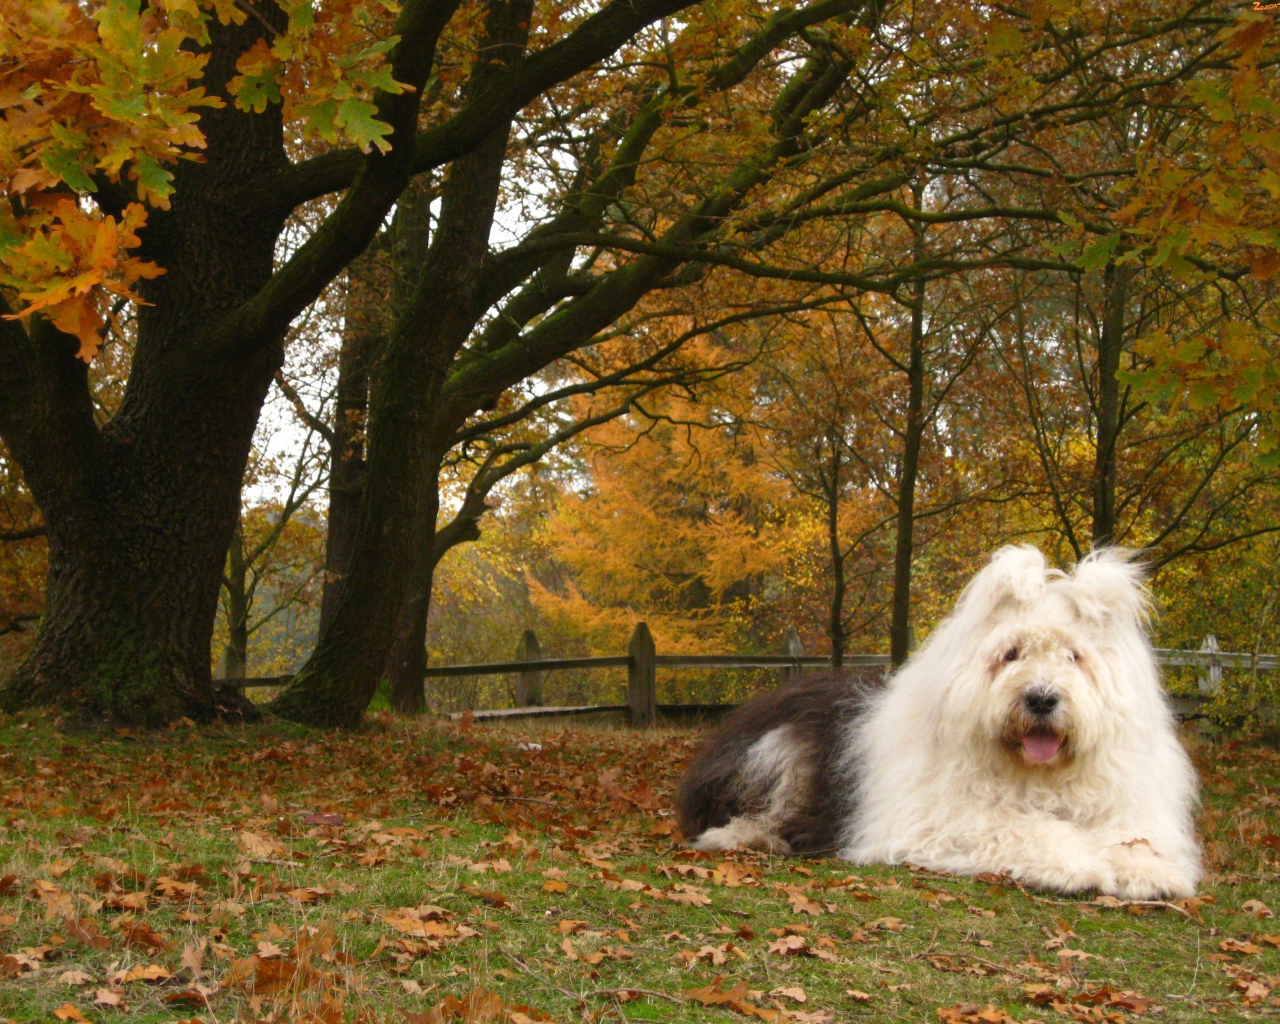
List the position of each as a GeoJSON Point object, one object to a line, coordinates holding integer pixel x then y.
{"type": "Point", "coordinates": [1030, 735]}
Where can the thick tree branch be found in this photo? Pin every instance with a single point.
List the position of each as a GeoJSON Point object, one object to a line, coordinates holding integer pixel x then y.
{"type": "Point", "coordinates": [46, 410]}
{"type": "Point", "coordinates": [597, 38]}
{"type": "Point", "coordinates": [17, 624]}
{"type": "Point", "coordinates": [13, 536]}
{"type": "Point", "coordinates": [378, 181]}
{"type": "Point", "coordinates": [304, 414]}
{"type": "Point", "coordinates": [886, 283]}
{"type": "Point", "coordinates": [620, 377]}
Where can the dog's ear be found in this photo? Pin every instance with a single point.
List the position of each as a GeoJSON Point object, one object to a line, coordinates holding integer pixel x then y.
{"type": "Point", "coordinates": [1015, 576]}
{"type": "Point", "coordinates": [1107, 588]}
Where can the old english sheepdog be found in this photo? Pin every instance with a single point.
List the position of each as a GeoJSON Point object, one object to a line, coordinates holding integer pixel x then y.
{"type": "Point", "coordinates": [1029, 735]}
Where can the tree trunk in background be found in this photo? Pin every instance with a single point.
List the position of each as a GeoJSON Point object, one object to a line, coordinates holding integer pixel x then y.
{"type": "Point", "coordinates": [140, 512]}
{"type": "Point", "coordinates": [236, 654]}
{"type": "Point", "coordinates": [1110, 347]}
{"type": "Point", "coordinates": [900, 625]}
{"type": "Point", "coordinates": [346, 458]}
{"type": "Point", "coordinates": [835, 621]}
{"type": "Point", "coordinates": [396, 531]}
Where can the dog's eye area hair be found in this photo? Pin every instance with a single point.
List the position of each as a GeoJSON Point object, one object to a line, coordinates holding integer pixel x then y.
{"type": "Point", "coordinates": [1010, 655]}
{"type": "Point", "coordinates": [1072, 656]}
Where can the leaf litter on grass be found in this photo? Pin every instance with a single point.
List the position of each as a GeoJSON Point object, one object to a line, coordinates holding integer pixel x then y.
{"type": "Point", "coordinates": [429, 872]}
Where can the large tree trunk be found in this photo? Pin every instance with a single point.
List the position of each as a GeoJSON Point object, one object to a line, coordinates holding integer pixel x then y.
{"type": "Point", "coordinates": [140, 512]}
{"type": "Point", "coordinates": [1110, 347]}
{"type": "Point", "coordinates": [346, 457]}
{"type": "Point", "coordinates": [900, 625]}
{"type": "Point", "coordinates": [407, 664]}
{"type": "Point", "coordinates": [411, 246]}
{"type": "Point", "coordinates": [135, 562]}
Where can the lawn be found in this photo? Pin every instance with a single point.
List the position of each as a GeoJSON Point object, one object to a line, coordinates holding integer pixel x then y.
{"type": "Point", "coordinates": [428, 872]}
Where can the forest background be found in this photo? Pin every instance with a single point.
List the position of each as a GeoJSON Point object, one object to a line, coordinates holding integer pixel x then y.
{"type": "Point", "coordinates": [915, 282]}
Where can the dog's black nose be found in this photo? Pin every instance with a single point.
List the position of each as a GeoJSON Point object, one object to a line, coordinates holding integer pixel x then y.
{"type": "Point", "coordinates": [1040, 702]}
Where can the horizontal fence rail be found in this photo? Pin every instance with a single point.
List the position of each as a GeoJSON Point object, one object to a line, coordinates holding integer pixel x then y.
{"type": "Point", "coordinates": [1225, 659]}
{"type": "Point", "coordinates": [542, 665]}
{"type": "Point", "coordinates": [642, 660]}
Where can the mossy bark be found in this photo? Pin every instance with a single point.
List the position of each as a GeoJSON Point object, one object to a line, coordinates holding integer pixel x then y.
{"type": "Point", "coordinates": [140, 511]}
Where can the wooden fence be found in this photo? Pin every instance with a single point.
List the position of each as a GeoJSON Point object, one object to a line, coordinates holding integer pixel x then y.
{"type": "Point", "coordinates": [642, 662]}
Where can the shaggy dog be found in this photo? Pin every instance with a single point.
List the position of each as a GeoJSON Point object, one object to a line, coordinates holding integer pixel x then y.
{"type": "Point", "coordinates": [1029, 735]}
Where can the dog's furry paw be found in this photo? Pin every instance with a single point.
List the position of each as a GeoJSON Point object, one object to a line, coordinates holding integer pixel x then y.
{"type": "Point", "coordinates": [1143, 874]}
{"type": "Point", "coordinates": [741, 833]}
{"type": "Point", "coordinates": [1082, 875]}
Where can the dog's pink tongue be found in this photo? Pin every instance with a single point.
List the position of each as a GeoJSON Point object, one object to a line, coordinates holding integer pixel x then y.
{"type": "Point", "coordinates": [1040, 746]}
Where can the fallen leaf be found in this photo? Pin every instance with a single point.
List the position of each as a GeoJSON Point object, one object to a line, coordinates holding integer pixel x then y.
{"type": "Point", "coordinates": [1077, 954]}
{"type": "Point", "coordinates": [141, 934]}
{"type": "Point", "coordinates": [145, 972]}
{"type": "Point", "coordinates": [690, 898]}
{"type": "Point", "coordinates": [86, 933]}
{"type": "Point", "coordinates": [68, 1012]}
{"type": "Point", "coordinates": [259, 846]}
{"type": "Point", "coordinates": [193, 957]}
{"type": "Point", "coordinates": [800, 903]}
{"type": "Point", "coordinates": [188, 997]}
{"type": "Point", "coordinates": [108, 997]}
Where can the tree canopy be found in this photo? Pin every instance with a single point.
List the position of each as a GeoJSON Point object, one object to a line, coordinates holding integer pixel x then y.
{"type": "Point", "coordinates": [862, 232]}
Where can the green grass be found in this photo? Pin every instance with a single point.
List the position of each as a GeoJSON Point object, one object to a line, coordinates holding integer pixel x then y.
{"type": "Point", "coordinates": [88, 817]}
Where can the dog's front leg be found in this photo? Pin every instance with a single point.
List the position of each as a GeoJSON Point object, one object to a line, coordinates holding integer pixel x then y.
{"type": "Point", "coordinates": [1041, 852]}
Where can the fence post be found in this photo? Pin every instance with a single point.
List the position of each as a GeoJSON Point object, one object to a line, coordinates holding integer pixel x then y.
{"type": "Point", "coordinates": [529, 683]}
{"type": "Point", "coordinates": [1210, 682]}
{"type": "Point", "coordinates": [792, 648]}
{"type": "Point", "coordinates": [642, 688]}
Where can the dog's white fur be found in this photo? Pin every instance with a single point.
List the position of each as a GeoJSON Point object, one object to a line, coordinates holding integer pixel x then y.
{"type": "Point", "coordinates": [937, 769]}
{"type": "Point", "coordinates": [938, 783]}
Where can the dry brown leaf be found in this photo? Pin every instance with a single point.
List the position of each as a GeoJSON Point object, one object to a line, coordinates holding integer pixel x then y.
{"type": "Point", "coordinates": [141, 935]}
{"type": "Point", "coordinates": [259, 846]}
{"type": "Point", "coordinates": [145, 972]}
{"type": "Point", "coordinates": [193, 957]}
{"type": "Point", "coordinates": [687, 896]}
{"type": "Point", "coordinates": [108, 997]}
{"type": "Point", "coordinates": [1076, 954]}
{"type": "Point", "coordinates": [85, 932]}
